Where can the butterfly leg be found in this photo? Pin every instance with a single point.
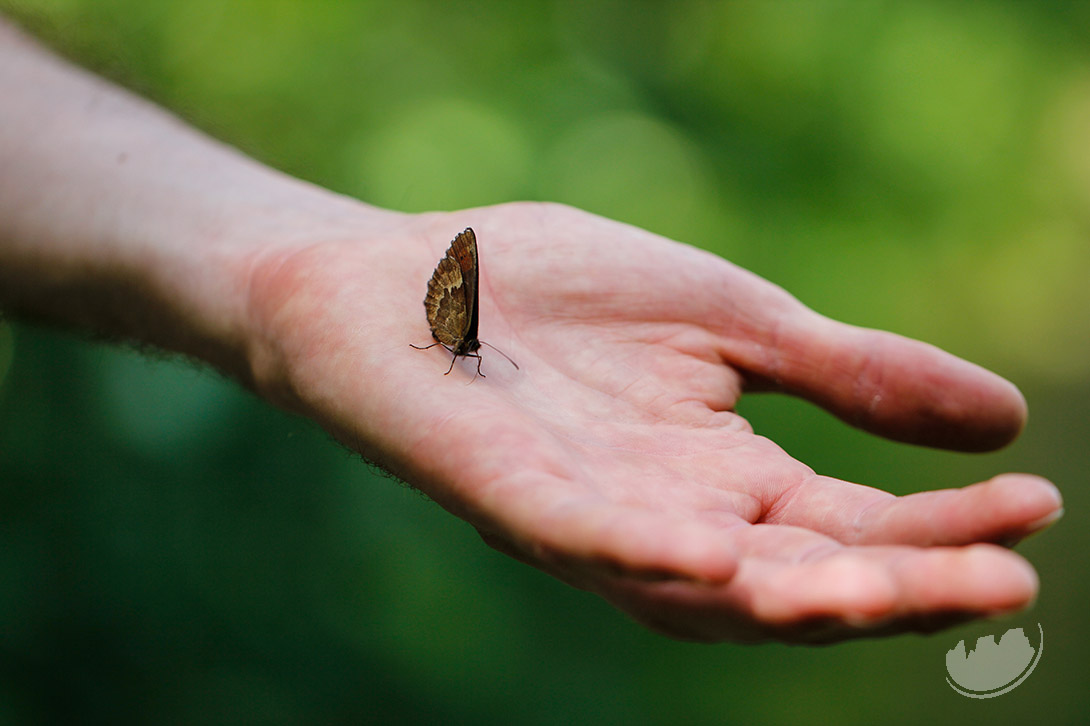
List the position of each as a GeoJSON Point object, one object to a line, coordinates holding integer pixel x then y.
{"type": "Point", "coordinates": [445, 346]}
{"type": "Point", "coordinates": [479, 359]}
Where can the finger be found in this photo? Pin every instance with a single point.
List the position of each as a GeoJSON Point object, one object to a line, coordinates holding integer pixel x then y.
{"type": "Point", "coordinates": [851, 593]}
{"type": "Point", "coordinates": [866, 586]}
{"type": "Point", "coordinates": [886, 384]}
{"type": "Point", "coordinates": [1004, 509]}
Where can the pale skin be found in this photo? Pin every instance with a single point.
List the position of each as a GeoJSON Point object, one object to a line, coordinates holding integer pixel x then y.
{"type": "Point", "coordinates": [611, 459]}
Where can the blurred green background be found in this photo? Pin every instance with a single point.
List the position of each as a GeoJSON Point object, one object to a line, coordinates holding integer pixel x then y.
{"type": "Point", "coordinates": [176, 551]}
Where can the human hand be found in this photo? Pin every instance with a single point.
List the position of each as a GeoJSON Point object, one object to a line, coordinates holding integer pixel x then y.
{"type": "Point", "coordinates": [612, 458]}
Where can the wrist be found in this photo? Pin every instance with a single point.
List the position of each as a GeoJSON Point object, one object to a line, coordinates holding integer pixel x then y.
{"type": "Point", "coordinates": [230, 280]}
{"type": "Point", "coordinates": [118, 219]}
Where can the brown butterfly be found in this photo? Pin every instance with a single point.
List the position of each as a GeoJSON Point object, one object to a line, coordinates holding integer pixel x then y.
{"type": "Point", "coordinates": [451, 302]}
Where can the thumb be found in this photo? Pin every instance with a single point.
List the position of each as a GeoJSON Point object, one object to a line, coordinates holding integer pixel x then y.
{"type": "Point", "coordinates": [887, 384]}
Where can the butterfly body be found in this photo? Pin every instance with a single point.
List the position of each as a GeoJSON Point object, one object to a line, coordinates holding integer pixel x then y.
{"type": "Point", "coordinates": [452, 301]}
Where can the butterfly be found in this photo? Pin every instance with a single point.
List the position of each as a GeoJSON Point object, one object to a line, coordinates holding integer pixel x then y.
{"type": "Point", "coordinates": [451, 303]}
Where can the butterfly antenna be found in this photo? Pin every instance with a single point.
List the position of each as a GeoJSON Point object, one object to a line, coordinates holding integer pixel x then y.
{"type": "Point", "coordinates": [516, 365]}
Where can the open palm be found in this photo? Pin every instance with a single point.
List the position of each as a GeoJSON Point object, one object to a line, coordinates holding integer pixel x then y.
{"type": "Point", "coordinates": [612, 457]}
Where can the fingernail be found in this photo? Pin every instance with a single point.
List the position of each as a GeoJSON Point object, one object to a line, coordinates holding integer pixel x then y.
{"type": "Point", "coordinates": [1038, 524]}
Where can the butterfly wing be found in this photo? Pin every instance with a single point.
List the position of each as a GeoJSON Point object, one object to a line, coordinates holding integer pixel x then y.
{"type": "Point", "coordinates": [465, 250]}
{"type": "Point", "coordinates": [451, 301]}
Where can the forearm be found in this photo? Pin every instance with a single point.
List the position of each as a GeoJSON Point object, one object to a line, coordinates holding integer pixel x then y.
{"type": "Point", "coordinates": [117, 218]}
